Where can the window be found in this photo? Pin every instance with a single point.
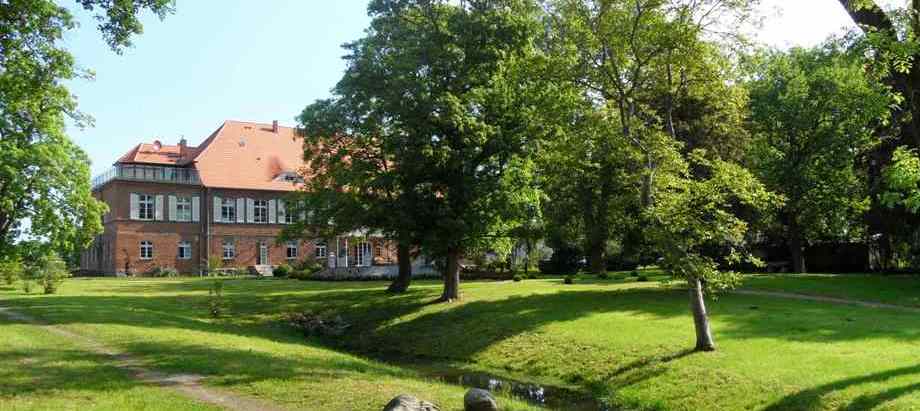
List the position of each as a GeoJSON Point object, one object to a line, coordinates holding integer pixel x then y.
{"type": "Point", "coordinates": [291, 250]}
{"type": "Point", "coordinates": [185, 250]}
{"type": "Point", "coordinates": [184, 209]}
{"type": "Point", "coordinates": [228, 210]}
{"type": "Point", "coordinates": [260, 211]}
{"type": "Point", "coordinates": [288, 216]}
{"type": "Point", "coordinates": [145, 207]}
{"type": "Point", "coordinates": [229, 250]}
{"type": "Point", "coordinates": [146, 250]}
{"type": "Point", "coordinates": [320, 250]}
{"type": "Point", "coordinates": [378, 250]}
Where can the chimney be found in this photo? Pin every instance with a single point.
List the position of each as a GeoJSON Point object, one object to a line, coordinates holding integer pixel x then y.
{"type": "Point", "coordinates": [275, 126]}
{"type": "Point", "coordinates": [183, 145]}
{"type": "Point", "coordinates": [157, 145]}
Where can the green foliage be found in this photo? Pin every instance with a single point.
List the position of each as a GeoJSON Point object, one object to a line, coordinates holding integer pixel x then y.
{"type": "Point", "coordinates": [809, 152]}
{"type": "Point", "coordinates": [902, 180]}
{"type": "Point", "coordinates": [51, 273]}
{"type": "Point", "coordinates": [569, 279]}
{"type": "Point", "coordinates": [27, 286]}
{"type": "Point", "coordinates": [11, 270]}
{"type": "Point", "coordinates": [216, 304]}
{"type": "Point", "coordinates": [282, 270]}
{"type": "Point", "coordinates": [698, 224]}
{"type": "Point", "coordinates": [517, 278]}
{"type": "Point", "coordinates": [215, 263]}
{"type": "Point", "coordinates": [168, 272]}
{"type": "Point", "coordinates": [44, 176]}
{"type": "Point", "coordinates": [603, 276]}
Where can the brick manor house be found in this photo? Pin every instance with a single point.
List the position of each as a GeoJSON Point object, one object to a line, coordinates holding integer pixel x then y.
{"type": "Point", "coordinates": [172, 206]}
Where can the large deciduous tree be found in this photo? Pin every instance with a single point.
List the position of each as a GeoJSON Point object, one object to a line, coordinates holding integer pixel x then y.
{"type": "Point", "coordinates": [44, 177]}
{"type": "Point", "coordinates": [813, 114]}
{"type": "Point", "coordinates": [436, 93]}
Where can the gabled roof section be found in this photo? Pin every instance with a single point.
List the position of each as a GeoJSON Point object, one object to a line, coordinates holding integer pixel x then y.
{"type": "Point", "coordinates": [159, 154]}
{"type": "Point", "coordinates": [250, 156]}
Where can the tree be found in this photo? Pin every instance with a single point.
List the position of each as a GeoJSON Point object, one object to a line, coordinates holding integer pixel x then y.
{"type": "Point", "coordinates": [813, 114]}
{"type": "Point", "coordinates": [698, 227]}
{"type": "Point", "coordinates": [892, 35]}
{"type": "Point", "coordinates": [641, 67]}
{"type": "Point", "coordinates": [438, 93]}
{"type": "Point", "coordinates": [44, 178]}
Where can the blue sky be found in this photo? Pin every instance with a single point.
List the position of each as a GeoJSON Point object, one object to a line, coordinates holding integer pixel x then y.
{"type": "Point", "coordinates": [265, 60]}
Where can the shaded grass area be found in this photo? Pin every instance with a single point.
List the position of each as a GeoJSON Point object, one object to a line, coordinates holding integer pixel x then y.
{"type": "Point", "coordinates": [43, 371]}
{"type": "Point", "coordinates": [887, 289]}
{"type": "Point", "coordinates": [164, 323]}
{"type": "Point", "coordinates": [620, 339]}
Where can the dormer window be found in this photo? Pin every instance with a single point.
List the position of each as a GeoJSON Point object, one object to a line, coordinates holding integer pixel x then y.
{"type": "Point", "coordinates": [289, 177]}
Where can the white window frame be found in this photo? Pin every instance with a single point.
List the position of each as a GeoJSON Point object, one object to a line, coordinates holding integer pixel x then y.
{"type": "Point", "coordinates": [184, 209]}
{"type": "Point", "coordinates": [146, 250]}
{"type": "Point", "coordinates": [187, 253]}
{"type": "Point", "coordinates": [229, 250]}
{"type": "Point", "coordinates": [292, 246]}
{"type": "Point", "coordinates": [260, 211]}
{"type": "Point", "coordinates": [320, 250]}
{"type": "Point", "coordinates": [228, 210]}
{"type": "Point", "coordinates": [146, 207]}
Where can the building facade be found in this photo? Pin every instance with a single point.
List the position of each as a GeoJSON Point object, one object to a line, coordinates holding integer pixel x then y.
{"type": "Point", "coordinates": [177, 206]}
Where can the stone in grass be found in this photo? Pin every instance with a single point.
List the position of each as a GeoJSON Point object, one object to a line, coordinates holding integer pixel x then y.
{"type": "Point", "coordinates": [479, 400]}
{"type": "Point", "coordinates": [406, 402]}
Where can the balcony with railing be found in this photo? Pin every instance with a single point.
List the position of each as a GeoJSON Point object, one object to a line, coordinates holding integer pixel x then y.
{"type": "Point", "coordinates": [157, 174]}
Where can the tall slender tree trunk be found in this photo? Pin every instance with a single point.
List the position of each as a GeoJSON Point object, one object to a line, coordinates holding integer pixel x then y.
{"type": "Point", "coordinates": [796, 248]}
{"type": "Point", "coordinates": [704, 340]}
{"type": "Point", "coordinates": [596, 261]}
{"type": "Point", "coordinates": [404, 278]}
{"type": "Point", "coordinates": [452, 276]}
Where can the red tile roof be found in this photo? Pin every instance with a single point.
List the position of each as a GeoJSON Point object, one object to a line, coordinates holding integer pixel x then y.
{"type": "Point", "coordinates": [238, 154]}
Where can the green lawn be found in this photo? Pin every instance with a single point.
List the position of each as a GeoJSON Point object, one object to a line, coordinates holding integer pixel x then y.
{"type": "Point", "coordinates": [891, 289]}
{"type": "Point", "coordinates": [622, 340]}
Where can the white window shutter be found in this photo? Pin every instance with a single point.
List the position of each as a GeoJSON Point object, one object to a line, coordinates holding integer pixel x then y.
{"type": "Point", "coordinates": [196, 212]}
{"type": "Point", "coordinates": [217, 202]}
{"type": "Point", "coordinates": [159, 207]}
{"type": "Point", "coordinates": [135, 209]}
{"type": "Point", "coordinates": [272, 211]}
{"type": "Point", "coordinates": [281, 212]}
{"type": "Point", "coordinates": [250, 211]}
{"type": "Point", "coordinates": [240, 210]}
{"type": "Point", "coordinates": [172, 208]}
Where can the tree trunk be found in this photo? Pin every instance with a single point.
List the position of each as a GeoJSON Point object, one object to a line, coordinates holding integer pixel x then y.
{"type": "Point", "coordinates": [451, 276]}
{"type": "Point", "coordinates": [796, 249]}
{"type": "Point", "coordinates": [704, 340]}
{"type": "Point", "coordinates": [596, 261]}
{"type": "Point", "coordinates": [404, 278]}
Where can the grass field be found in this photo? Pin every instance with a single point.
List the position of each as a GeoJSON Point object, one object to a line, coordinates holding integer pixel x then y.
{"type": "Point", "coordinates": [621, 340]}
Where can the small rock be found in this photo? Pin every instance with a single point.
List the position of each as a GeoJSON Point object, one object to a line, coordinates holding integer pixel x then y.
{"type": "Point", "coordinates": [479, 400]}
{"type": "Point", "coordinates": [406, 402]}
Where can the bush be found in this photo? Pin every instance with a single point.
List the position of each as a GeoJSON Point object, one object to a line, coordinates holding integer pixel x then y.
{"type": "Point", "coordinates": [308, 266]}
{"type": "Point", "coordinates": [517, 278]}
{"type": "Point", "coordinates": [603, 276]}
{"type": "Point", "coordinates": [531, 276]}
{"type": "Point", "coordinates": [300, 275]}
{"type": "Point", "coordinates": [216, 303]}
{"type": "Point", "coordinates": [163, 272]}
{"type": "Point", "coordinates": [634, 273]}
{"type": "Point", "coordinates": [569, 279]}
{"type": "Point", "coordinates": [642, 279]}
{"type": "Point", "coordinates": [27, 286]}
{"type": "Point", "coordinates": [51, 273]}
{"type": "Point", "coordinates": [282, 271]}
{"type": "Point", "coordinates": [313, 324]}
{"type": "Point", "coordinates": [215, 263]}
{"type": "Point", "coordinates": [11, 271]}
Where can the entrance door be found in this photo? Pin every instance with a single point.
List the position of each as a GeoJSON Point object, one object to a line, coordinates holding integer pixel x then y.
{"type": "Point", "coordinates": [263, 254]}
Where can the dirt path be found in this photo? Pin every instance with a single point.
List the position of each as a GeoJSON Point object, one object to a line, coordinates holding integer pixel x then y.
{"type": "Point", "coordinates": [807, 297]}
{"type": "Point", "coordinates": [188, 385]}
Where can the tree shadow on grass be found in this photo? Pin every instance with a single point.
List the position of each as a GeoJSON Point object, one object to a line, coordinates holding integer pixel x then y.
{"type": "Point", "coordinates": [815, 398]}
{"type": "Point", "coordinates": [47, 371]}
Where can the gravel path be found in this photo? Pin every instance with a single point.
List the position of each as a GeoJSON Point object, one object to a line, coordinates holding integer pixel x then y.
{"type": "Point", "coordinates": [806, 297]}
{"type": "Point", "coordinates": [188, 385]}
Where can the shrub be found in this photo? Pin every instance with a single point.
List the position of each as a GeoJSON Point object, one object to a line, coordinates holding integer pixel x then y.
{"type": "Point", "coordinates": [531, 276]}
{"type": "Point", "coordinates": [314, 324]}
{"type": "Point", "coordinates": [282, 271]}
{"type": "Point", "coordinates": [11, 271]}
{"type": "Point", "coordinates": [634, 273]}
{"type": "Point", "coordinates": [27, 286]}
{"type": "Point", "coordinates": [642, 278]}
{"type": "Point", "coordinates": [569, 279]}
{"type": "Point", "coordinates": [163, 272]}
{"type": "Point", "coordinates": [603, 276]}
{"type": "Point", "coordinates": [300, 275]}
{"type": "Point", "coordinates": [51, 273]}
{"type": "Point", "coordinates": [309, 266]}
{"type": "Point", "coordinates": [216, 302]}
{"type": "Point", "coordinates": [517, 278]}
{"type": "Point", "coordinates": [215, 263]}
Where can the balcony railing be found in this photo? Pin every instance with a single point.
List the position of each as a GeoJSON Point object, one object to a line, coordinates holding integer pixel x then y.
{"type": "Point", "coordinates": [158, 174]}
